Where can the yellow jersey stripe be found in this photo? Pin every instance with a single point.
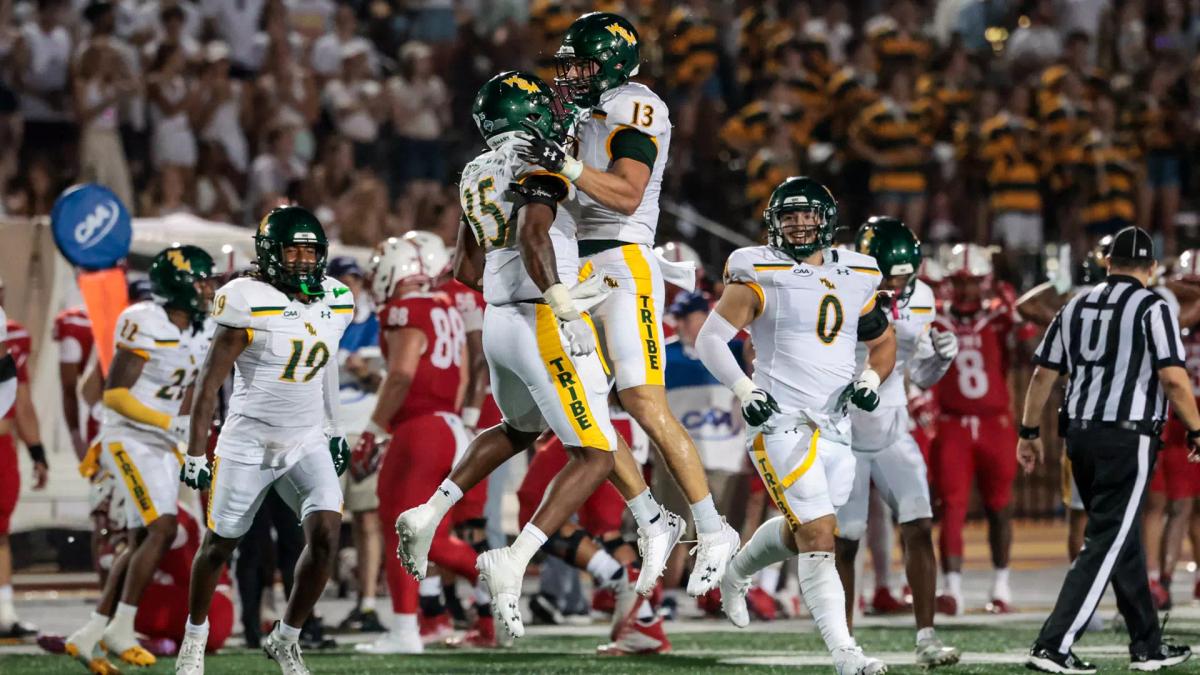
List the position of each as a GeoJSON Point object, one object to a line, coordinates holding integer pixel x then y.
{"type": "Point", "coordinates": [212, 495]}
{"type": "Point", "coordinates": [805, 464]}
{"type": "Point", "coordinates": [599, 352]}
{"type": "Point", "coordinates": [565, 379]}
{"type": "Point", "coordinates": [249, 335]}
{"type": "Point", "coordinates": [921, 310]}
{"type": "Point", "coordinates": [762, 297]}
{"type": "Point", "coordinates": [866, 270]}
{"type": "Point", "coordinates": [648, 322]}
{"type": "Point", "coordinates": [621, 127]}
{"type": "Point", "coordinates": [341, 310]}
{"type": "Point", "coordinates": [134, 350]}
{"type": "Point", "coordinates": [586, 271]}
{"type": "Point", "coordinates": [133, 480]}
{"type": "Point", "coordinates": [771, 479]}
{"type": "Point", "coordinates": [869, 306]}
{"type": "Point", "coordinates": [166, 343]}
{"type": "Point", "coordinates": [773, 267]}
{"type": "Point", "coordinates": [266, 312]}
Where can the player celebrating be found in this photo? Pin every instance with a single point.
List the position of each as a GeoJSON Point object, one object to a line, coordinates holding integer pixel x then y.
{"type": "Point", "coordinates": [280, 328]}
{"type": "Point", "coordinates": [885, 452]}
{"type": "Point", "coordinates": [539, 345]}
{"type": "Point", "coordinates": [975, 435]}
{"type": "Point", "coordinates": [624, 134]}
{"type": "Point", "coordinates": [806, 307]}
{"type": "Point", "coordinates": [159, 343]}
{"type": "Point", "coordinates": [424, 344]}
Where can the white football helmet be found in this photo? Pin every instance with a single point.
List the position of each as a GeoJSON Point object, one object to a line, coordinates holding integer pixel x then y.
{"type": "Point", "coordinates": [434, 254]}
{"type": "Point", "coordinates": [969, 260]}
{"type": "Point", "coordinates": [396, 261]}
{"type": "Point", "coordinates": [1188, 268]}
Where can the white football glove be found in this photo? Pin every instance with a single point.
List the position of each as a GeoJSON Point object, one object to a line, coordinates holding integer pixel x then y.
{"type": "Point", "coordinates": [945, 344]}
{"type": "Point", "coordinates": [581, 341]}
{"type": "Point", "coordinates": [195, 472]}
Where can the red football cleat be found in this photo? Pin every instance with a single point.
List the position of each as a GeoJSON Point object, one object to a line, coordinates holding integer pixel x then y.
{"type": "Point", "coordinates": [947, 604]}
{"type": "Point", "coordinates": [998, 606]}
{"type": "Point", "coordinates": [886, 603]}
{"type": "Point", "coordinates": [481, 636]}
{"type": "Point", "coordinates": [710, 602]}
{"type": "Point", "coordinates": [435, 628]}
{"type": "Point", "coordinates": [603, 600]}
{"type": "Point", "coordinates": [761, 604]}
{"type": "Point", "coordinates": [639, 638]}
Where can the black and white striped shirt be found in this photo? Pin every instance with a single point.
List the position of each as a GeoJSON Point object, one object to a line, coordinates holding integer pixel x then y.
{"type": "Point", "coordinates": [1112, 340]}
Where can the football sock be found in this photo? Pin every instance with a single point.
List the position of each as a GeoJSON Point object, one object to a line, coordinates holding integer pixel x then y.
{"type": "Point", "coordinates": [925, 634]}
{"type": "Point", "coordinates": [954, 584]}
{"type": "Point", "coordinates": [646, 511]}
{"type": "Point", "coordinates": [527, 544]}
{"type": "Point", "coordinates": [604, 568]}
{"type": "Point", "coordinates": [765, 548]}
{"type": "Point", "coordinates": [367, 603]}
{"type": "Point", "coordinates": [430, 590]}
{"type": "Point", "coordinates": [1153, 574]}
{"type": "Point", "coordinates": [483, 600]}
{"type": "Point", "coordinates": [290, 634]}
{"type": "Point", "coordinates": [8, 612]}
{"type": "Point", "coordinates": [768, 578]}
{"type": "Point", "coordinates": [405, 623]}
{"type": "Point", "coordinates": [825, 598]}
{"type": "Point", "coordinates": [704, 513]}
{"type": "Point", "coordinates": [91, 631]}
{"type": "Point", "coordinates": [1000, 589]}
{"type": "Point", "coordinates": [122, 620]}
{"type": "Point", "coordinates": [645, 613]}
{"type": "Point", "coordinates": [195, 630]}
{"type": "Point", "coordinates": [446, 496]}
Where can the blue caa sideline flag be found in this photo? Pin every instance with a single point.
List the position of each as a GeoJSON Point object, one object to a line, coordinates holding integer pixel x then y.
{"type": "Point", "coordinates": [91, 226]}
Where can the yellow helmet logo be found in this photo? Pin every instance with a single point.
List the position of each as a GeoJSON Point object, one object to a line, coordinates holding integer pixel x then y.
{"type": "Point", "coordinates": [180, 262]}
{"type": "Point", "coordinates": [864, 246]}
{"type": "Point", "coordinates": [620, 31]}
{"type": "Point", "coordinates": [262, 224]}
{"type": "Point", "coordinates": [521, 83]}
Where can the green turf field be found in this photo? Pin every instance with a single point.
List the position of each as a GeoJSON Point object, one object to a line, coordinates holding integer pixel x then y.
{"type": "Point", "coordinates": [989, 647]}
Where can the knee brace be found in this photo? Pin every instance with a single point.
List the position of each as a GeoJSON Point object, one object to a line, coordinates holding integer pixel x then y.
{"type": "Point", "coordinates": [612, 545]}
{"type": "Point", "coordinates": [565, 548]}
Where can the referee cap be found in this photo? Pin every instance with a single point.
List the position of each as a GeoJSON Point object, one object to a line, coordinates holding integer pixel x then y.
{"type": "Point", "coordinates": [1132, 243]}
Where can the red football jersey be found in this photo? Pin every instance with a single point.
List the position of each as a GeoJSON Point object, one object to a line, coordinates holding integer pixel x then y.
{"type": "Point", "coordinates": [977, 383]}
{"type": "Point", "coordinates": [468, 301]}
{"type": "Point", "coordinates": [73, 333]}
{"type": "Point", "coordinates": [436, 383]}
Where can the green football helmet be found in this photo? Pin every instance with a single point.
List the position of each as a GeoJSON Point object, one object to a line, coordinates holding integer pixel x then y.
{"type": "Point", "coordinates": [894, 247]}
{"type": "Point", "coordinates": [604, 51]}
{"type": "Point", "coordinates": [801, 193]}
{"type": "Point", "coordinates": [291, 226]}
{"type": "Point", "coordinates": [1093, 270]}
{"type": "Point", "coordinates": [512, 98]}
{"type": "Point", "coordinates": [175, 277]}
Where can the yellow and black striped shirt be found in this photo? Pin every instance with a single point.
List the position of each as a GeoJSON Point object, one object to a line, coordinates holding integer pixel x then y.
{"type": "Point", "coordinates": [1112, 175]}
{"type": "Point", "coordinates": [691, 50]}
{"type": "Point", "coordinates": [1013, 183]}
{"type": "Point", "coordinates": [900, 135]}
{"type": "Point", "coordinates": [748, 128]}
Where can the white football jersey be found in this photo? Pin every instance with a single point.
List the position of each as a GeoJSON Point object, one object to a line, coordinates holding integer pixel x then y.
{"type": "Point", "coordinates": [630, 105]}
{"type": "Point", "coordinates": [173, 358]}
{"type": "Point", "coordinates": [488, 209]}
{"type": "Point", "coordinates": [3, 326]}
{"type": "Point", "coordinates": [278, 379]}
{"type": "Point", "coordinates": [805, 337]}
{"type": "Point", "coordinates": [911, 320]}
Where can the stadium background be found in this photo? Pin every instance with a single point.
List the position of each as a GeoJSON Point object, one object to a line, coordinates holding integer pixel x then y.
{"type": "Point", "coordinates": [1030, 125]}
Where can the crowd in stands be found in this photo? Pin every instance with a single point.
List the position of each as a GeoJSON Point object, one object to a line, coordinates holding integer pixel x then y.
{"type": "Point", "coordinates": [1007, 121]}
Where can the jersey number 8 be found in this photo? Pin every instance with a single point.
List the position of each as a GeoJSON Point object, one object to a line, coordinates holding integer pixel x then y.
{"type": "Point", "coordinates": [480, 208]}
{"type": "Point", "coordinates": [318, 356]}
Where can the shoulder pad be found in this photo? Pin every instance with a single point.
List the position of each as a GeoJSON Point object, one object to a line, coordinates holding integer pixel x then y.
{"type": "Point", "coordinates": [635, 105]}
{"type": "Point", "coordinates": [745, 264]}
{"type": "Point", "coordinates": [922, 302]}
{"type": "Point", "coordinates": [858, 262]}
{"type": "Point", "coordinates": [233, 302]}
{"type": "Point", "coordinates": [143, 327]}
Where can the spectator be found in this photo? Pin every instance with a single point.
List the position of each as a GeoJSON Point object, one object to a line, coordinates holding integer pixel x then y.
{"type": "Point", "coordinates": [1158, 121]}
{"type": "Point", "coordinates": [34, 192]}
{"type": "Point", "coordinates": [326, 56]}
{"type": "Point", "coordinates": [171, 104]}
{"type": "Point", "coordinates": [152, 18]}
{"type": "Point", "coordinates": [893, 135]}
{"type": "Point", "coordinates": [285, 93]}
{"type": "Point", "coordinates": [420, 112]}
{"type": "Point", "coordinates": [167, 193]}
{"type": "Point", "coordinates": [216, 197]}
{"type": "Point", "coordinates": [100, 84]}
{"type": "Point", "coordinates": [277, 32]}
{"type": "Point", "coordinates": [220, 115]}
{"type": "Point", "coordinates": [1131, 38]}
{"type": "Point", "coordinates": [274, 171]}
{"type": "Point", "coordinates": [40, 65]}
{"type": "Point", "coordinates": [236, 22]}
{"type": "Point", "coordinates": [356, 104]}
{"type": "Point", "coordinates": [1109, 175]}
{"type": "Point", "coordinates": [1036, 43]}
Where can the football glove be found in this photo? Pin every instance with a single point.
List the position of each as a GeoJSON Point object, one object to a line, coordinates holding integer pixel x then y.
{"type": "Point", "coordinates": [945, 344]}
{"type": "Point", "coordinates": [757, 404]}
{"type": "Point", "coordinates": [864, 392]}
{"type": "Point", "coordinates": [196, 473]}
{"type": "Point", "coordinates": [548, 154]}
{"type": "Point", "coordinates": [581, 341]}
{"type": "Point", "coordinates": [367, 454]}
{"type": "Point", "coordinates": [340, 451]}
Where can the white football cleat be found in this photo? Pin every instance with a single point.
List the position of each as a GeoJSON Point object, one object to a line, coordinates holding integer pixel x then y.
{"type": "Point", "coordinates": [713, 554]}
{"type": "Point", "coordinates": [933, 652]}
{"type": "Point", "coordinates": [284, 652]}
{"type": "Point", "coordinates": [852, 661]}
{"type": "Point", "coordinates": [733, 598]}
{"type": "Point", "coordinates": [626, 605]}
{"type": "Point", "coordinates": [191, 655]}
{"type": "Point", "coordinates": [655, 544]}
{"type": "Point", "coordinates": [416, 528]}
{"type": "Point", "coordinates": [393, 642]}
{"type": "Point", "coordinates": [503, 578]}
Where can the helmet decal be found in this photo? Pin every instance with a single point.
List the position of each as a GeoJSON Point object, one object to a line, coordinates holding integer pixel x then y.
{"type": "Point", "coordinates": [620, 31]}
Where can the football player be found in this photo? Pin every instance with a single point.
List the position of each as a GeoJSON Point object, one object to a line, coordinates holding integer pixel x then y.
{"type": "Point", "coordinates": [624, 138]}
{"type": "Point", "coordinates": [159, 345]}
{"type": "Point", "coordinates": [884, 451]}
{"type": "Point", "coordinates": [519, 247]}
{"type": "Point", "coordinates": [424, 344]}
{"type": "Point", "coordinates": [975, 434]}
{"type": "Point", "coordinates": [806, 306]}
{"type": "Point", "coordinates": [277, 330]}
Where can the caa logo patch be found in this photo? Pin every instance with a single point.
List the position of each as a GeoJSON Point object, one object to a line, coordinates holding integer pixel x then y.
{"type": "Point", "coordinates": [291, 313]}
{"type": "Point", "coordinates": [802, 271]}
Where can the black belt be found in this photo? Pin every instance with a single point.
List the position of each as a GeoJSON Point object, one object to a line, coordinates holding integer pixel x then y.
{"type": "Point", "coordinates": [590, 247]}
{"type": "Point", "coordinates": [1144, 428]}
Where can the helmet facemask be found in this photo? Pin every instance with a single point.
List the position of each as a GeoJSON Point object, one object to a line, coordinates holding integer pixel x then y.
{"type": "Point", "coordinates": [799, 230]}
{"type": "Point", "coordinates": [579, 79]}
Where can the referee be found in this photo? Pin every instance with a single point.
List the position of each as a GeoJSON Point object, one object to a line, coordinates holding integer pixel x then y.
{"type": "Point", "coordinates": [1119, 346]}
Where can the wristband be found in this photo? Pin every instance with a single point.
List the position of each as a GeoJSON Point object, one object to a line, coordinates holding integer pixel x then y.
{"type": "Point", "coordinates": [870, 378]}
{"type": "Point", "coordinates": [375, 430]}
{"type": "Point", "coordinates": [1193, 434]}
{"type": "Point", "coordinates": [1029, 433]}
{"type": "Point", "coordinates": [37, 453]}
{"type": "Point", "coordinates": [572, 168]}
{"type": "Point", "coordinates": [470, 417]}
{"type": "Point", "coordinates": [561, 303]}
{"type": "Point", "coordinates": [743, 388]}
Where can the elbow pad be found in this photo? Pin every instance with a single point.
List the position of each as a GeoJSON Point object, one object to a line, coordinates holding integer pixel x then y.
{"type": "Point", "coordinates": [124, 403]}
{"type": "Point", "coordinates": [872, 324]}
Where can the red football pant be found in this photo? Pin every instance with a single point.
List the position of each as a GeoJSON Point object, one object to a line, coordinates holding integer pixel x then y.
{"type": "Point", "coordinates": [163, 611]}
{"type": "Point", "coordinates": [10, 480]}
{"type": "Point", "coordinates": [599, 515]}
{"type": "Point", "coordinates": [971, 450]}
{"type": "Point", "coordinates": [418, 459]}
